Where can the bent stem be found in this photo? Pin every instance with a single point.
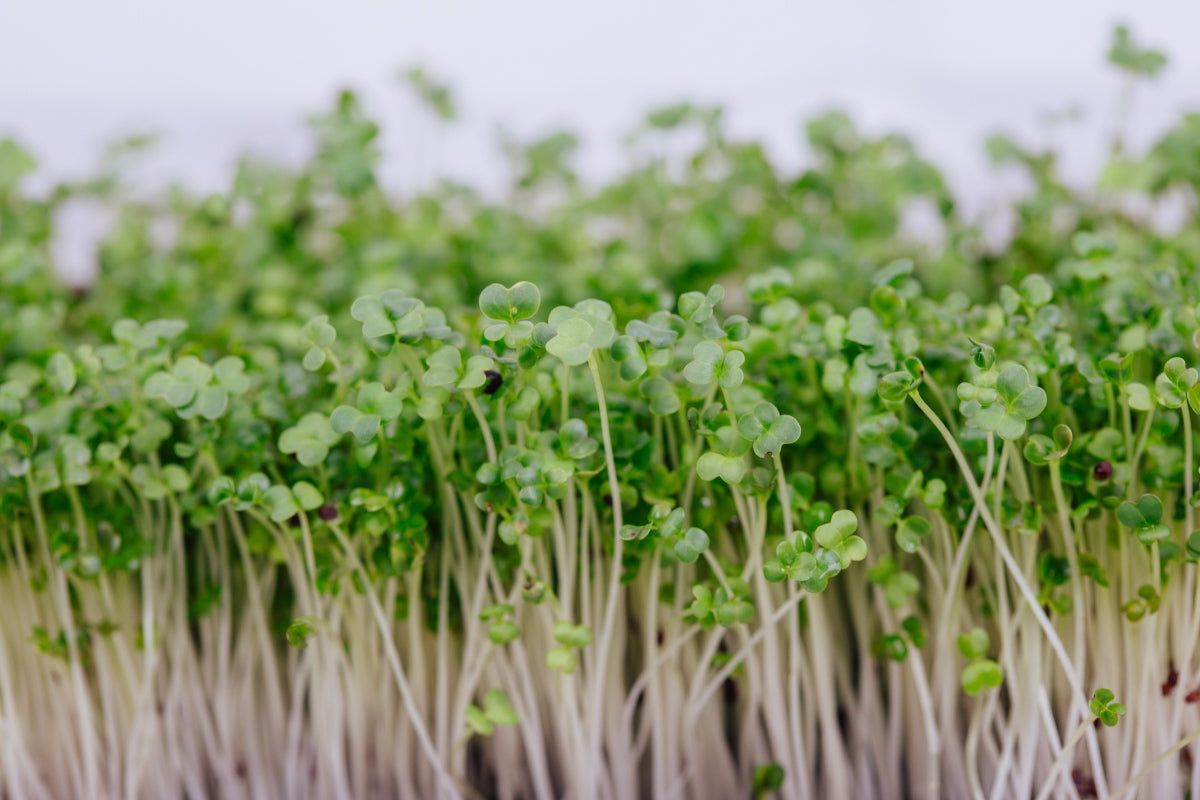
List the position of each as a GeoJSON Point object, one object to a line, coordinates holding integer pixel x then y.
{"type": "Point", "coordinates": [1132, 783]}
{"type": "Point", "coordinates": [1014, 570]}
{"type": "Point", "coordinates": [393, 658]}
{"type": "Point", "coordinates": [595, 708]}
{"type": "Point", "coordinates": [1064, 758]}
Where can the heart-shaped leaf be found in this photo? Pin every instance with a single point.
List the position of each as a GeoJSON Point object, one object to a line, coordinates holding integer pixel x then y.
{"type": "Point", "coordinates": [373, 398]}
{"type": "Point", "coordinates": [60, 373]}
{"type": "Point", "coordinates": [1144, 518]}
{"type": "Point", "coordinates": [837, 535]}
{"type": "Point", "coordinates": [569, 635]}
{"type": "Point", "coordinates": [896, 386]}
{"type": "Point", "coordinates": [783, 430]}
{"type": "Point", "coordinates": [1173, 385]}
{"type": "Point", "coordinates": [576, 338]}
{"type": "Point", "coordinates": [573, 439]}
{"type": "Point", "coordinates": [478, 722]}
{"type": "Point", "coordinates": [308, 497]}
{"type": "Point", "coordinates": [981, 674]}
{"type": "Point", "coordinates": [317, 332]}
{"type": "Point", "coordinates": [510, 303]}
{"type": "Point", "coordinates": [1042, 450]}
{"type": "Point", "coordinates": [1147, 511]}
{"type": "Point", "coordinates": [1002, 402]}
{"type": "Point", "coordinates": [711, 466]}
{"type": "Point", "coordinates": [281, 503]}
{"type": "Point", "coordinates": [658, 336]}
{"type": "Point", "coordinates": [309, 440]}
{"type": "Point", "coordinates": [911, 533]}
{"type": "Point", "coordinates": [230, 375]}
{"type": "Point", "coordinates": [1104, 706]}
{"type": "Point", "coordinates": [974, 643]}
{"type": "Point", "coordinates": [710, 362]}
{"type": "Point", "coordinates": [1138, 396]}
{"type": "Point", "coordinates": [562, 659]}
{"type": "Point", "coordinates": [735, 612]}
{"type": "Point", "coordinates": [628, 353]}
{"type": "Point", "coordinates": [698, 308]}
{"type": "Point", "coordinates": [661, 394]}
{"type": "Point", "coordinates": [693, 543]}
{"type": "Point", "coordinates": [498, 709]}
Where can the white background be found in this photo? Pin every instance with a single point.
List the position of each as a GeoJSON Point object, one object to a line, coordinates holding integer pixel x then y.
{"type": "Point", "coordinates": [220, 77]}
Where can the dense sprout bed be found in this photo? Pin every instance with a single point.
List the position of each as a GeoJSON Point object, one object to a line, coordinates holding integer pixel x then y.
{"type": "Point", "coordinates": [707, 482]}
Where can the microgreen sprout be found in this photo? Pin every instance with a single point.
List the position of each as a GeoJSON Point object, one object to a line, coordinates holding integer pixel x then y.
{"type": "Point", "coordinates": [703, 482]}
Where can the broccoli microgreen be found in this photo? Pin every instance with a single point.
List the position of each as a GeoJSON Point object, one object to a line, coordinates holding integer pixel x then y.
{"type": "Point", "coordinates": [690, 479]}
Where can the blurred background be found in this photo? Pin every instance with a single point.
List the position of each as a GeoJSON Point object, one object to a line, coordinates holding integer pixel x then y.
{"type": "Point", "coordinates": [224, 77]}
{"type": "Point", "coordinates": [226, 89]}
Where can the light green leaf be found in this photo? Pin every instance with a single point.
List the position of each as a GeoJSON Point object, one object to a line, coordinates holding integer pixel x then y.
{"type": "Point", "coordinates": [60, 373]}
{"type": "Point", "coordinates": [1138, 396]}
{"type": "Point", "coordinates": [498, 709]}
{"type": "Point", "coordinates": [711, 466]}
{"type": "Point", "coordinates": [307, 496]}
{"type": "Point", "coordinates": [309, 440]}
{"type": "Point", "coordinates": [981, 674]}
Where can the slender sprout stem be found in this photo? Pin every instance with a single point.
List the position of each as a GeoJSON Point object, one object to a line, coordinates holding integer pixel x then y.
{"type": "Point", "coordinates": [484, 428]}
{"type": "Point", "coordinates": [1064, 758]}
{"type": "Point", "coordinates": [447, 785]}
{"type": "Point", "coordinates": [1132, 783]}
{"type": "Point", "coordinates": [610, 611]}
{"type": "Point", "coordinates": [737, 658]}
{"type": "Point", "coordinates": [1022, 584]}
{"type": "Point", "coordinates": [1188, 471]}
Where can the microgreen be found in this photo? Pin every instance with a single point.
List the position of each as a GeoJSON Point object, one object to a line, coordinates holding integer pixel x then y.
{"type": "Point", "coordinates": [1104, 706]}
{"type": "Point", "coordinates": [496, 711]}
{"type": "Point", "coordinates": [838, 536]}
{"type": "Point", "coordinates": [194, 388]}
{"type": "Point", "coordinates": [318, 334]}
{"type": "Point", "coordinates": [310, 439]}
{"type": "Point", "coordinates": [321, 470]}
{"type": "Point", "coordinates": [283, 503]}
{"type": "Point", "coordinates": [373, 406]}
{"type": "Point", "coordinates": [1042, 450]}
{"type": "Point", "coordinates": [1002, 403]}
{"type": "Point", "coordinates": [509, 309]}
{"type": "Point", "coordinates": [981, 672]}
{"type": "Point", "coordinates": [1144, 518]}
{"type": "Point", "coordinates": [768, 430]}
{"type": "Point", "coordinates": [1174, 385]}
{"type": "Point", "coordinates": [710, 362]}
